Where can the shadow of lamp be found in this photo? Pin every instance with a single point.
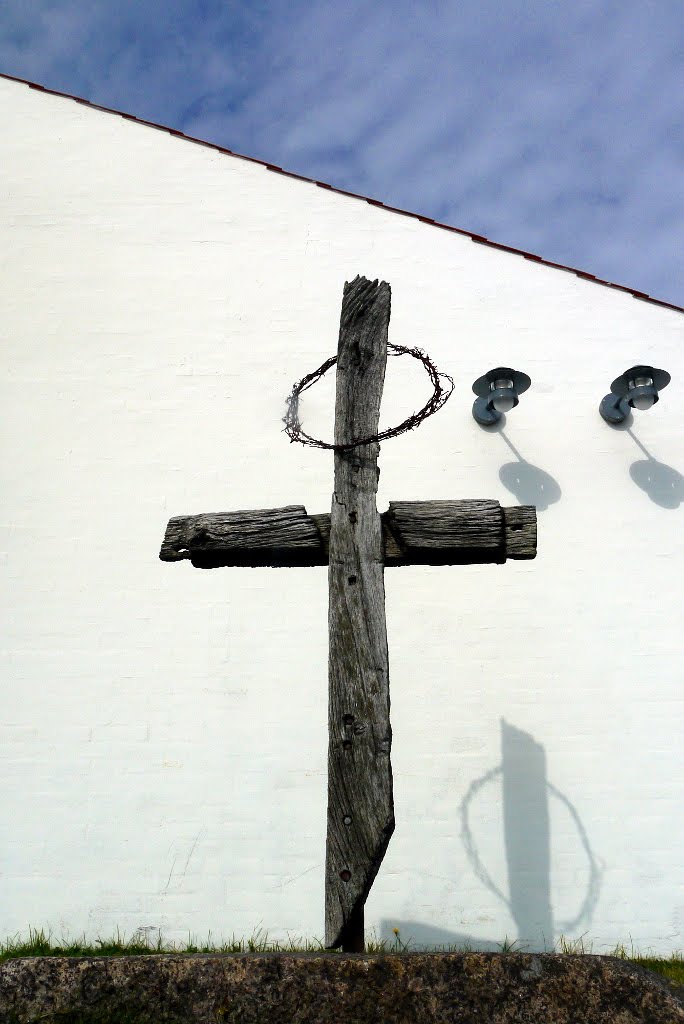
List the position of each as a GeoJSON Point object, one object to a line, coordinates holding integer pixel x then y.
{"type": "Point", "coordinates": [530, 484]}
{"type": "Point", "coordinates": [663, 484]}
{"type": "Point", "coordinates": [497, 392]}
{"type": "Point", "coordinates": [636, 388]}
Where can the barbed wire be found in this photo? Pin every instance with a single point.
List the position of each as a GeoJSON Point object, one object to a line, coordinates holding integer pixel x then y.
{"type": "Point", "coordinates": [442, 384]}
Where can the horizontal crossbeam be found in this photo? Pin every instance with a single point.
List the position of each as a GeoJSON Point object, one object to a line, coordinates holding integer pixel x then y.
{"type": "Point", "coordinates": [414, 533]}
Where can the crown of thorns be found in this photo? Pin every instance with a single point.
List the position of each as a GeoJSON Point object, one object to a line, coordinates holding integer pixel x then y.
{"type": "Point", "coordinates": [442, 385]}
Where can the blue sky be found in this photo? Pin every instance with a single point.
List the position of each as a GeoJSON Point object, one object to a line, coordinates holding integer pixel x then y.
{"type": "Point", "coordinates": [555, 126]}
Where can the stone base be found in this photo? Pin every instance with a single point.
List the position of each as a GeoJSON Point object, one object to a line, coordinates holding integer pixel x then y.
{"type": "Point", "coordinates": [282, 988]}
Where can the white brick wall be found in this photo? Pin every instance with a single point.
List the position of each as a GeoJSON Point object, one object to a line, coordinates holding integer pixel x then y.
{"type": "Point", "coordinates": [164, 729]}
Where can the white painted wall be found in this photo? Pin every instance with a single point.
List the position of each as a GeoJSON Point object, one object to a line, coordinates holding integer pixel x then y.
{"type": "Point", "coordinates": [163, 728]}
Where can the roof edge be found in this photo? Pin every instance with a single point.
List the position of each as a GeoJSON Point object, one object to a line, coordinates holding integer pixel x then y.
{"type": "Point", "coordinates": [480, 239]}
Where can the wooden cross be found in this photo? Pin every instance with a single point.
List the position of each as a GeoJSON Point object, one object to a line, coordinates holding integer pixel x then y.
{"type": "Point", "coordinates": [356, 542]}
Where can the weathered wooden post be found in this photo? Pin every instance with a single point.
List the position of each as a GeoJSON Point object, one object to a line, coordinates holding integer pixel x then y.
{"type": "Point", "coordinates": [360, 800]}
{"type": "Point", "coordinates": [357, 543]}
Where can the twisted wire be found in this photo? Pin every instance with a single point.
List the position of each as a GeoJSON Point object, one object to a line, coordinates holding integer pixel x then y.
{"type": "Point", "coordinates": [442, 384]}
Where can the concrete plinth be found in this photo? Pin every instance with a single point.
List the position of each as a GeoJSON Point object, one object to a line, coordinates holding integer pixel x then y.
{"type": "Point", "coordinates": [414, 988]}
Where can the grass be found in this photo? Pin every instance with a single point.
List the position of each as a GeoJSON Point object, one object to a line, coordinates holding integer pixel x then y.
{"type": "Point", "coordinates": [40, 943]}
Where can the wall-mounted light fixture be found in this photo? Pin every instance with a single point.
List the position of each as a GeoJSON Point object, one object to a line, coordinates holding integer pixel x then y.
{"type": "Point", "coordinates": [636, 388]}
{"type": "Point", "coordinates": [498, 392]}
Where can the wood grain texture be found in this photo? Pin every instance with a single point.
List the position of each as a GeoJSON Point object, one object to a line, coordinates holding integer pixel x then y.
{"type": "Point", "coordinates": [521, 531]}
{"type": "Point", "coordinates": [360, 801]}
{"type": "Point", "coordinates": [414, 533]}
{"type": "Point", "coordinates": [273, 536]}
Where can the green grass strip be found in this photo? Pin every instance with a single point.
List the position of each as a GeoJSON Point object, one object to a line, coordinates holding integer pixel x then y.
{"type": "Point", "coordinates": [40, 943]}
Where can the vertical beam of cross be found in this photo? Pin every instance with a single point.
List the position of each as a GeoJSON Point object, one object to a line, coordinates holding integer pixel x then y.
{"type": "Point", "coordinates": [360, 802]}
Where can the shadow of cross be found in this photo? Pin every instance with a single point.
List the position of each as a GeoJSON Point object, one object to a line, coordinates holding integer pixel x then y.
{"type": "Point", "coordinates": [356, 542]}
